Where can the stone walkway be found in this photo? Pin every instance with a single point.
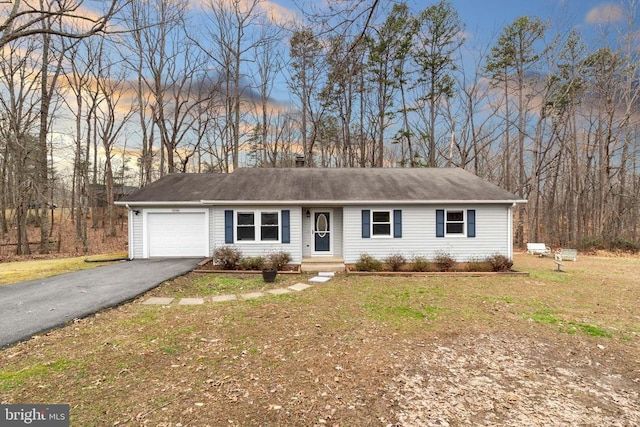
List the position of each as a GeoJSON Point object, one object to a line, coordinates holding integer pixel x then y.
{"type": "Point", "coordinates": [322, 277]}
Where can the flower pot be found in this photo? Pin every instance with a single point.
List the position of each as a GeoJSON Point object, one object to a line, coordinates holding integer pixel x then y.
{"type": "Point", "coordinates": [269, 275]}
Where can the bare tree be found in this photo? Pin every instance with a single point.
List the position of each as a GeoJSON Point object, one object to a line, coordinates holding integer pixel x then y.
{"type": "Point", "coordinates": [232, 44]}
{"type": "Point", "coordinates": [20, 99]}
{"type": "Point", "coordinates": [25, 18]}
{"type": "Point", "coordinates": [112, 114]}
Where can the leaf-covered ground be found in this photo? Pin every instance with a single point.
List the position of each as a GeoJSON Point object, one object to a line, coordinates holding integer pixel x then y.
{"type": "Point", "coordinates": [548, 349]}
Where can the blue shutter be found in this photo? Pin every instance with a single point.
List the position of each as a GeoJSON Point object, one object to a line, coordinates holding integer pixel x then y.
{"type": "Point", "coordinates": [471, 223]}
{"type": "Point", "coordinates": [397, 223]}
{"type": "Point", "coordinates": [228, 226]}
{"type": "Point", "coordinates": [439, 222]}
{"type": "Point", "coordinates": [286, 227]}
{"type": "Point", "coordinates": [366, 223]}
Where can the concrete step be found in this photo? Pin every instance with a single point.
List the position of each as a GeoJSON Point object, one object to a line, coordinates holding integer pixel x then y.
{"type": "Point", "coordinates": [315, 267]}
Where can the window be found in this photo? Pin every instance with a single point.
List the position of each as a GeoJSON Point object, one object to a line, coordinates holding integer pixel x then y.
{"type": "Point", "coordinates": [455, 222]}
{"type": "Point", "coordinates": [381, 223]}
{"type": "Point", "coordinates": [269, 226]}
{"type": "Point", "coordinates": [246, 226]}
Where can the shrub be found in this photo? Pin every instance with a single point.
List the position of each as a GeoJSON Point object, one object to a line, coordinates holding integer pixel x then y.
{"type": "Point", "coordinates": [500, 262]}
{"type": "Point", "coordinates": [252, 263]}
{"type": "Point", "coordinates": [395, 261]}
{"type": "Point", "coordinates": [227, 257]}
{"type": "Point", "coordinates": [444, 261]}
{"type": "Point", "coordinates": [478, 265]}
{"type": "Point", "coordinates": [420, 263]}
{"type": "Point", "coordinates": [368, 263]}
{"type": "Point", "coordinates": [278, 260]}
{"type": "Point", "coordinates": [624, 245]}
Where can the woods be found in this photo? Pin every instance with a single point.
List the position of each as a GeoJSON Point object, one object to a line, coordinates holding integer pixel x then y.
{"type": "Point", "coordinates": [103, 99]}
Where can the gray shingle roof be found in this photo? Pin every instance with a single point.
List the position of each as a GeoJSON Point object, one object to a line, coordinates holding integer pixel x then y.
{"type": "Point", "coordinates": [324, 185]}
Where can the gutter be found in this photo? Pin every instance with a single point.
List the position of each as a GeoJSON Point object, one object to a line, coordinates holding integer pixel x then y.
{"type": "Point", "coordinates": [201, 203]}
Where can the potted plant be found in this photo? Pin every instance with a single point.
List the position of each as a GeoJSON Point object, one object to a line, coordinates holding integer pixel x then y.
{"type": "Point", "coordinates": [275, 261]}
{"type": "Point", "coordinates": [269, 274]}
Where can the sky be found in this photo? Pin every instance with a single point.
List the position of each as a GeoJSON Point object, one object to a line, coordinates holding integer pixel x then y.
{"type": "Point", "coordinates": [485, 18]}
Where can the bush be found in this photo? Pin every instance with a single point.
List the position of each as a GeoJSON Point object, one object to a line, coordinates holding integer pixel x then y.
{"type": "Point", "coordinates": [444, 261]}
{"type": "Point", "coordinates": [278, 260]}
{"type": "Point", "coordinates": [368, 263]}
{"type": "Point", "coordinates": [252, 263]}
{"type": "Point", "coordinates": [420, 263]}
{"type": "Point", "coordinates": [500, 262]}
{"type": "Point", "coordinates": [478, 265]}
{"type": "Point", "coordinates": [227, 257]}
{"type": "Point", "coordinates": [624, 245]}
{"type": "Point", "coordinates": [395, 261]}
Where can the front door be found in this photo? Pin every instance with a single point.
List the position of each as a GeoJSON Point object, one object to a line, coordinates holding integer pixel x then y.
{"type": "Point", "coordinates": [322, 232]}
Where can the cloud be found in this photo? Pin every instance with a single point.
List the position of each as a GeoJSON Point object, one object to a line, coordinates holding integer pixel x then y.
{"type": "Point", "coordinates": [273, 12]}
{"type": "Point", "coordinates": [604, 14]}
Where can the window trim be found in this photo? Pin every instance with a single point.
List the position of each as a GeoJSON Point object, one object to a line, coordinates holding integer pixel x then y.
{"type": "Point", "coordinates": [257, 226]}
{"type": "Point", "coordinates": [277, 226]}
{"type": "Point", "coordinates": [463, 222]}
{"type": "Point", "coordinates": [372, 223]}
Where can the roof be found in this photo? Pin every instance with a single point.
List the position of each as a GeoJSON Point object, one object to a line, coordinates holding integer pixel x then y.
{"type": "Point", "coordinates": [324, 185]}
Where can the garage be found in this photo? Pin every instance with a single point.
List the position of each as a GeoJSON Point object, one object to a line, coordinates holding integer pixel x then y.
{"type": "Point", "coordinates": [177, 234]}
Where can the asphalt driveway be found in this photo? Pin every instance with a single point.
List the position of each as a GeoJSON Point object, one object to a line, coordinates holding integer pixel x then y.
{"type": "Point", "coordinates": [28, 308]}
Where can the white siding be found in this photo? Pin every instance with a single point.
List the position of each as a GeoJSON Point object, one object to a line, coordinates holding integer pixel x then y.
{"type": "Point", "coordinates": [419, 234]}
{"type": "Point", "coordinates": [307, 234]}
{"type": "Point", "coordinates": [262, 248]}
{"type": "Point", "coordinates": [212, 222]}
{"type": "Point", "coordinates": [338, 236]}
{"type": "Point", "coordinates": [136, 246]}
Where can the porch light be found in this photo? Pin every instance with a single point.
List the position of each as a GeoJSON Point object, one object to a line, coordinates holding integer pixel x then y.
{"type": "Point", "coordinates": [308, 214]}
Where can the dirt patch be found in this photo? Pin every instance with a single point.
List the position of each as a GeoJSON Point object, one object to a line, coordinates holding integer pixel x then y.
{"type": "Point", "coordinates": [502, 380]}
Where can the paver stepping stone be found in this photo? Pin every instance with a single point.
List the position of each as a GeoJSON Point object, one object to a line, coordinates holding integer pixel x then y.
{"type": "Point", "coordinates": [222, 298]}
{"type": "Point", "coordinates": [319, 279]}
{"type": "Point", "coordinates": [191, 301]}
{"type": "Point", "coordinates": [251, 295]}
{"type": "Point", "coordinates": [158, 301]}
{"type": "Point", "coordinates": [279, 291]}
{"type": "Point", "coordinates": [299, 286]}
{"type": "Point", "coordinates": [326, 274]}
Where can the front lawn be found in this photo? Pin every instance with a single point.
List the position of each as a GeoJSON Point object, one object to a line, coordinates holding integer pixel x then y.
{"type": "Point", "coordinates": [548, 349]}
{"type": "Point", "coordinates": [19, 271]}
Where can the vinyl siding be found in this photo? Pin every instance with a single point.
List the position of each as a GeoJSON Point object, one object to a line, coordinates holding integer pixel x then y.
{"type": "Point", "coordinates": [212, 234]}
{"type": "Point", "coordinates": [419, 234]}
{"type": "Point", "coordinates": [136, 248]}
{"type": "Point", "coordinates": [338, 232]}
{"type": "Point", "coordinates": [261, 248]}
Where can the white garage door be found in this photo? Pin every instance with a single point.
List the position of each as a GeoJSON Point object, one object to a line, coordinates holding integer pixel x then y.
{"type": "Point", "coordinates": [177, 234]}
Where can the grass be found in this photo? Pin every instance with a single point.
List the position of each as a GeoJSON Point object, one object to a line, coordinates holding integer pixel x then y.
{"type": "Point", "coordinates": [10, 380]}
{"type": "Point", "coordinates": [333, 345]}
{"type": "Point", "coordinates": [204, 285]}
{"type": "Point", "coordinates": [14, 272]}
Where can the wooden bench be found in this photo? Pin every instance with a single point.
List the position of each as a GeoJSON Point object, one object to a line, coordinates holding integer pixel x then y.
{"type": "Point", "coordinates": [538, 249]}
{"type": "Point", "coordinates": [566, 254]}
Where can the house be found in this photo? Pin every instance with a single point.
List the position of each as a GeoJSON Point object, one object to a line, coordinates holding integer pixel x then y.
{"type": "Point", "coordinates": [322, 213]}
{"type": "Point", "coordinates": [98, 193]}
